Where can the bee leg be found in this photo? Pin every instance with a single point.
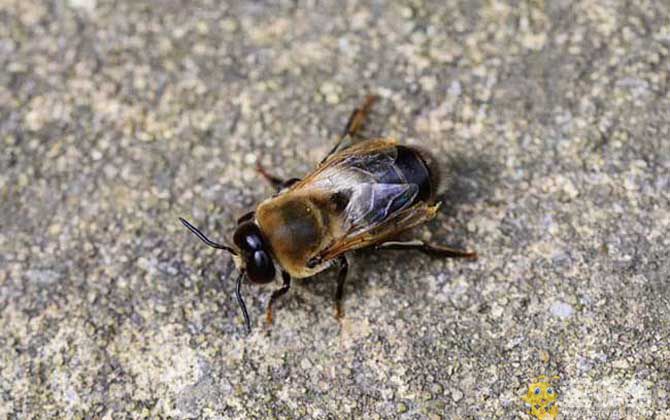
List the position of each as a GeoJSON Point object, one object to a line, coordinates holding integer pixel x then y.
{"type": "Point", "coordinates": [429, 249]}
{"type": "Point", "coordinates": [277, 294]}
{"type": "Point", "coordinates": [274, 180]}
{"type": "Point", "coordinates": [354, 124]}
{"type": "Point", "coordinates": [357, 117]}
{"type": "Point", "coordinates": [341, 277]}
{"type": "Point", "coordinates": [278, 183]}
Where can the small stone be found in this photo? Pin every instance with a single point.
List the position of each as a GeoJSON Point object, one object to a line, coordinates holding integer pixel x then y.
{"type": "Point", "coordinates": [437, 389]}
{"type": "Point", "coordinates": [87, 5]}
{"type": "Point", "coordinates": [428, 83]}
{"type": "Point", "coordinates": [250, 159]}
{"type": "Point", "coordinates": [55, 229]}
{"type": "Point", "coordinates": [561, 310]}
{"type": "Point", "coordinates": [621, 364]}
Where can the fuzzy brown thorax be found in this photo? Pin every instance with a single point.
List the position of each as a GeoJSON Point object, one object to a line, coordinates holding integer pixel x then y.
{"type": "Point", "coordinates": [297, 228]}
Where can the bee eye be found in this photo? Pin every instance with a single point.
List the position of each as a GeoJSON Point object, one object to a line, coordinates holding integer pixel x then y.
{"type": "Point", "coordinates": [260, 268]}
{"type": "Point", "coordinates": [248, 237]}
{"type": "Point", "coordinates": [550, 391]}
{"type": "Point", "coordinates": [537, 391]}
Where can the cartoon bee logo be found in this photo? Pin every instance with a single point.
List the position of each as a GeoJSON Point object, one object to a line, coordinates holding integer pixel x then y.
{"type": "Point", "coordinates": [541, 398]}
{"type": "Point", "coordinates": [362, 194]}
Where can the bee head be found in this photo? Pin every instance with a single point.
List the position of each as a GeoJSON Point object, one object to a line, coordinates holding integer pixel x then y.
{"type": "Point", "coordinates": [255, 253]}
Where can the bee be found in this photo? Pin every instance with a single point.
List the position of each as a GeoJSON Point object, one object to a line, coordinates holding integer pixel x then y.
{"type": "Point", "coordinates": [363, 194]}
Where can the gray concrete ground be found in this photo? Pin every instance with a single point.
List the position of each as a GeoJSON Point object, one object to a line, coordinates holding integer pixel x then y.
{"type": "Point", "coordinates": [551, 120]}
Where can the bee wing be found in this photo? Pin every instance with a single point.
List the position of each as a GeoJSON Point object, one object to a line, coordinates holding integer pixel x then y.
{"type": "Point", "coordinates": [368, 157]}
{"type": "Point", "coordinates": [379, 201]}
{"type": "Point", "coordinates": [371, 204]}
{"type": "Point", "coordinates": [381, 232]}
{"type": "Point", "coordinates": [366, 178]}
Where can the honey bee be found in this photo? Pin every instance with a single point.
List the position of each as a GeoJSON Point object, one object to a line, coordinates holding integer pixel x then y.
{"type": "Point", "coordinates": [362, 194]}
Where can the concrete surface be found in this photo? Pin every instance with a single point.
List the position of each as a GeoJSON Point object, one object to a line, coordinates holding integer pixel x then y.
{"type": "Point", "coordinates": [552, 119]}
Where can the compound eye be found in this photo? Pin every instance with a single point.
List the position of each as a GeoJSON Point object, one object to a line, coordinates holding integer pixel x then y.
{"type": "Point", "coordinates": [260, 268]}
{"type": "Point", "coordinates": [248, 237]}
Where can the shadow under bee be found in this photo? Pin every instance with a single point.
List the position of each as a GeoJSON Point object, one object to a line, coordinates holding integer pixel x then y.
{"type": "Point", "coordinates": [467, 180]}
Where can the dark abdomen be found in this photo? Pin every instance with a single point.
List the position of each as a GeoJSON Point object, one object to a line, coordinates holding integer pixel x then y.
{"type": "Point", "coordinates": [411, 167]}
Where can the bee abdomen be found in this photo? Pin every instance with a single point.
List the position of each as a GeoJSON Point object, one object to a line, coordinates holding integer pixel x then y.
{"type": "Point", "coordinates": [412, 168]}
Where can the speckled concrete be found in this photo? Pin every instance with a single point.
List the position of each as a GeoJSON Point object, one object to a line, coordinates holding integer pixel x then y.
{"type": "Point", "coordinates": [551, 118]}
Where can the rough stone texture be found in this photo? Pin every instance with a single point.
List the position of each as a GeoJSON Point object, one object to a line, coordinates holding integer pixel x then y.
{"type": "Point", "coordinates": [552, 119]}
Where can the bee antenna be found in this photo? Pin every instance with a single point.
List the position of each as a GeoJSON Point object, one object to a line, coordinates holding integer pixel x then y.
{"type": "Point", "coordinates": [240, 301]}
{"type": "Point", "coordinates": [203, 238]}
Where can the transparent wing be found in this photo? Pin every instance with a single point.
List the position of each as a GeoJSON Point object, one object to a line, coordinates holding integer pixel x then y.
{"type": "Point", "coordinates": [366, 178]}
{"type": "Point", "coordinates": [371, 204]}
{"type": "Point", "coordinates": [414, 215]}
{"type": "Point", "coordinates": [369, 194]}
